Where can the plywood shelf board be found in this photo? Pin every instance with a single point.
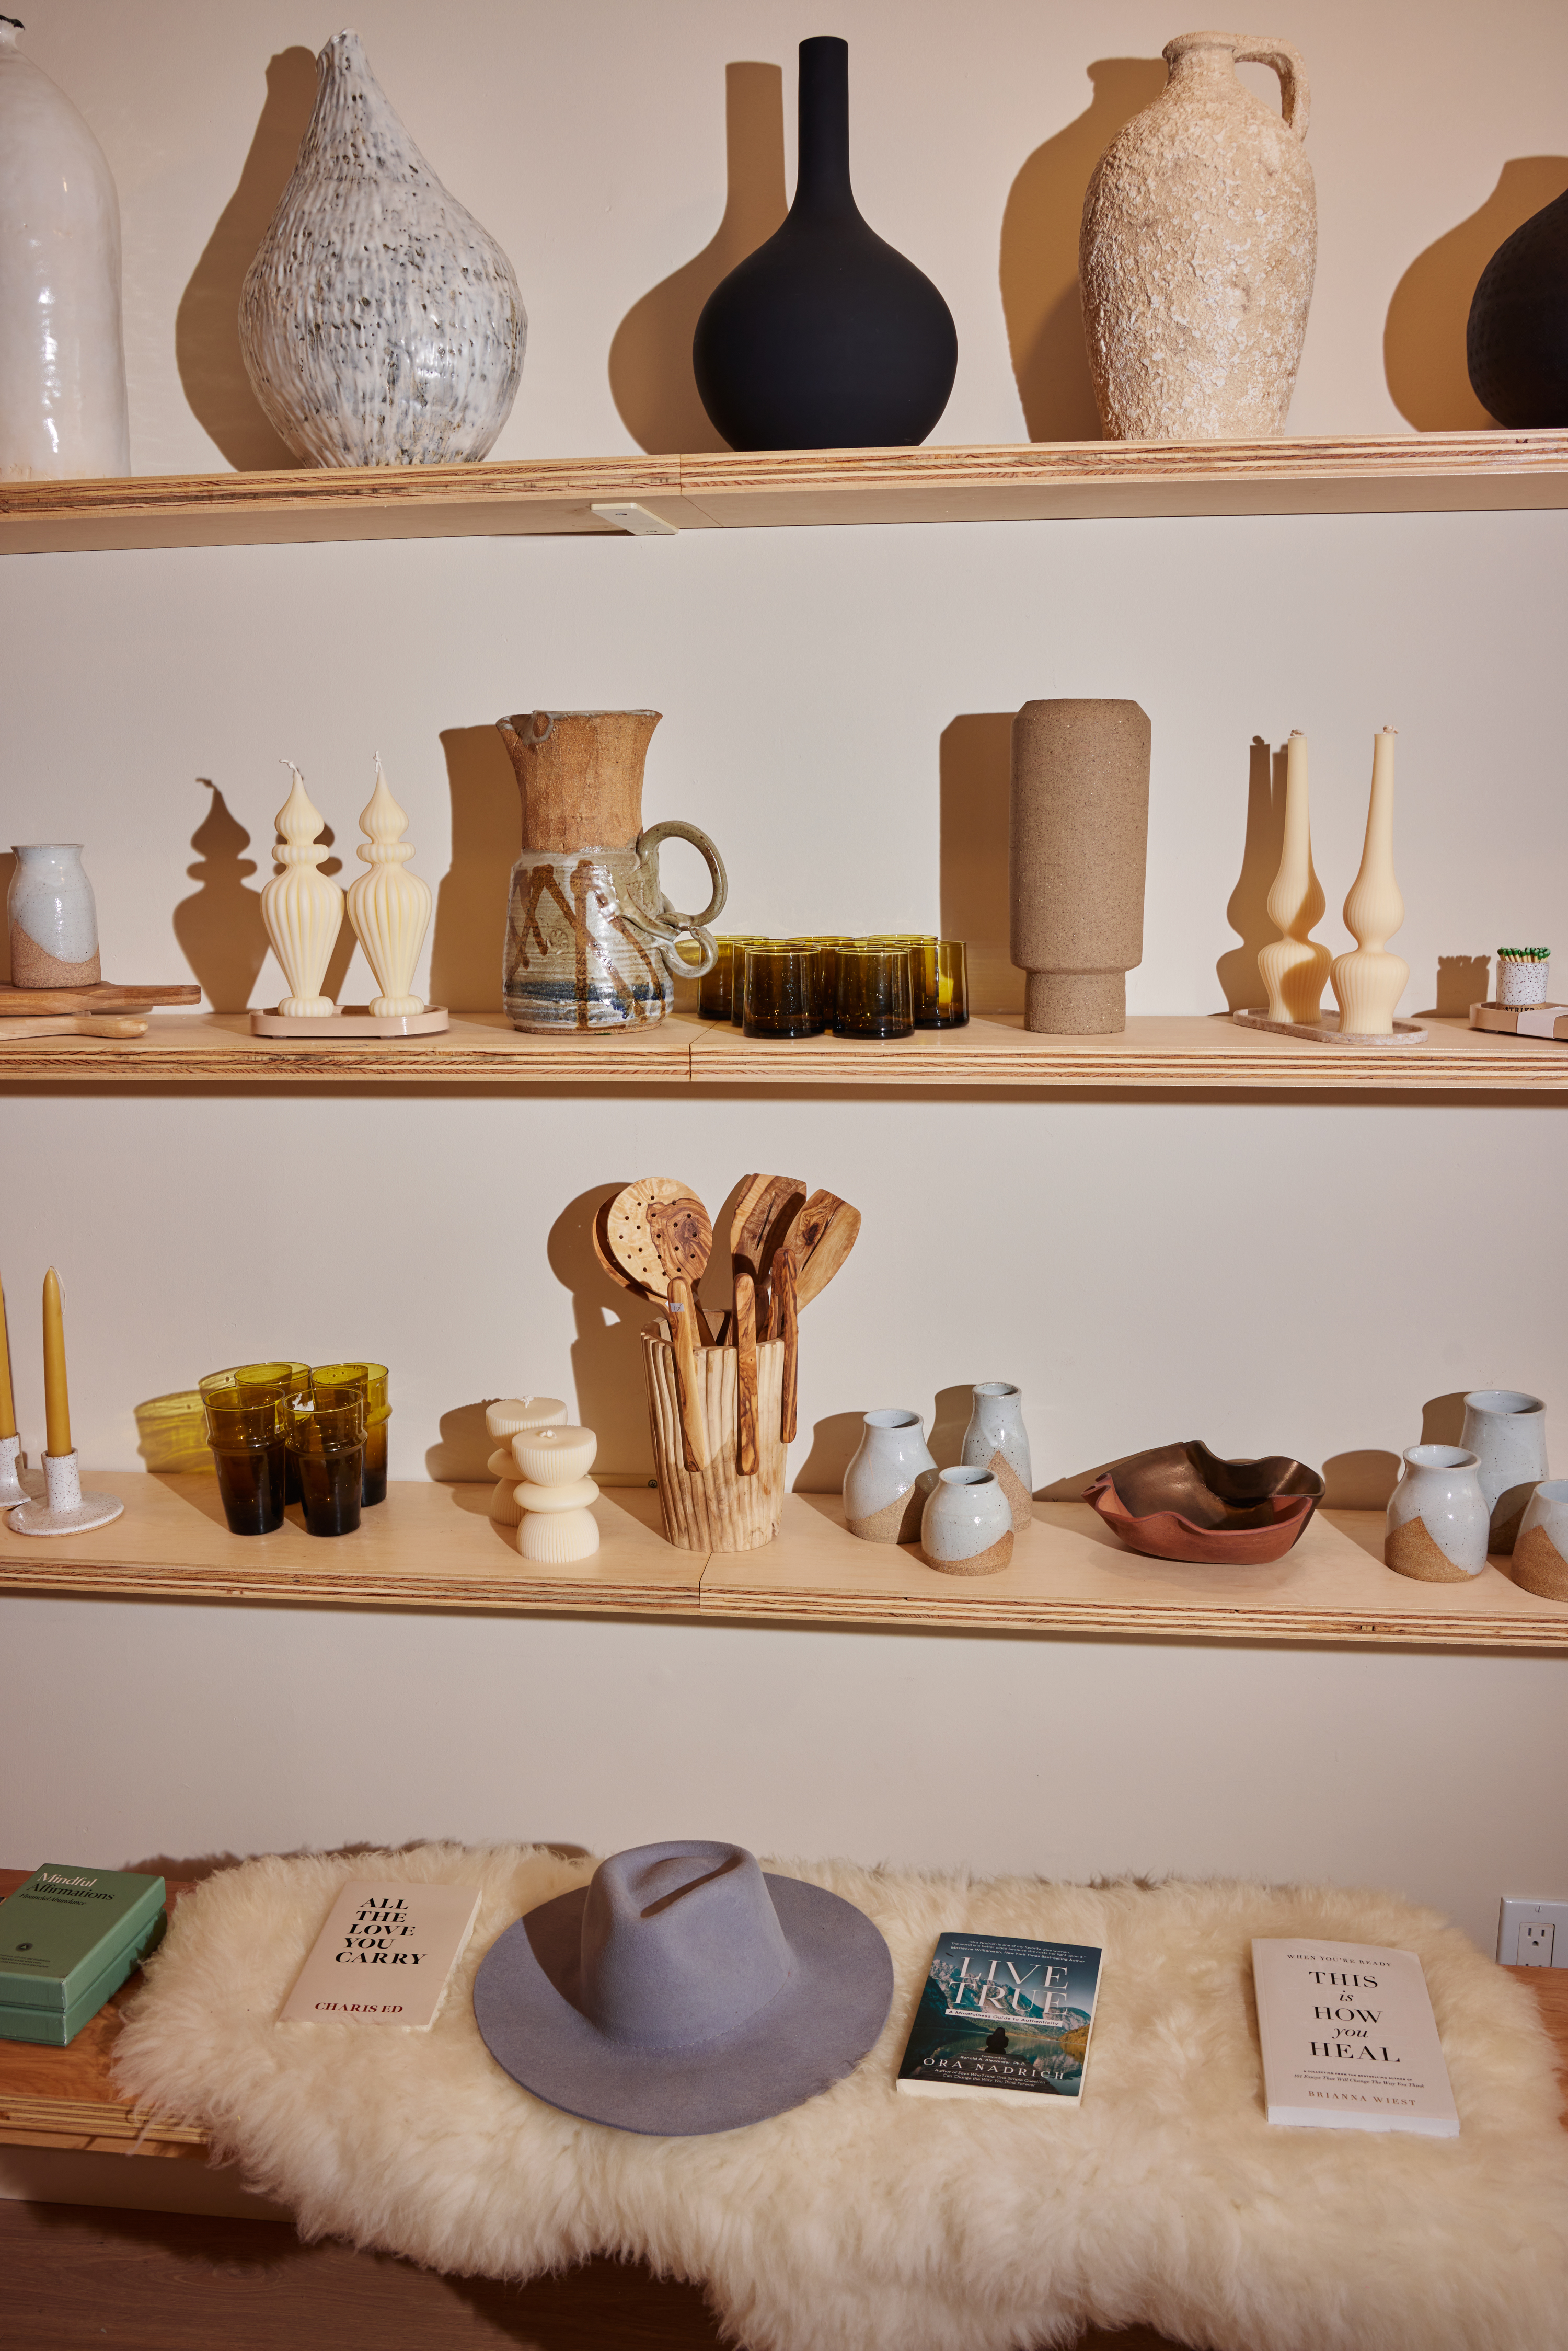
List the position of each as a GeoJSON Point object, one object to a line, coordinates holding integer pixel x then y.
{"type": "Point", "coordinates": [434, 1546]}
{"type": "Point", "coordinates": [1173, 1052]}
{"type": "Point", "coordinates": [1397, 472]}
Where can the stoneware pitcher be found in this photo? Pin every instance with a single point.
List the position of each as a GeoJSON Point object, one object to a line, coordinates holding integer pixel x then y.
{"type": "Point", "coordinates": [1436, 1528]}
{"type": "Point", "coordinates": [1198, 249]}
{"type": "Point", "coordinates": [591, 940]}
{"type": "Point", "coordinates": [1506, 1431]}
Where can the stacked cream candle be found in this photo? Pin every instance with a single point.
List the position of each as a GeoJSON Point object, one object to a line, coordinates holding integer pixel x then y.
{"type": "Point", "coordinates": [554, 1494]}
{"type": "Point", "coordinates": [514, 1416]}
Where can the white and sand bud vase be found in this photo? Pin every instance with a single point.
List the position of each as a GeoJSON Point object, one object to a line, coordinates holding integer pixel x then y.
{"type": "Point", "coordinates": [302, 910]}
{"type": "Point", "coordinates": [389, 909]}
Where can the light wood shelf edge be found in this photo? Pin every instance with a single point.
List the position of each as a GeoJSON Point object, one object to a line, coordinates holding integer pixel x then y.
{"type": "Point", "coordinates": [1173, 1053]}
{"type": "Point", "coordinates": [1395, 473]}
{"type": "Point", "coordinates": [432, 1547]}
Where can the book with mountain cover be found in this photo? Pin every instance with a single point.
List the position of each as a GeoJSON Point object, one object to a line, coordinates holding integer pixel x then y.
{"type": "Point", "coordinates": [69, 1937]}
{"type": "Point", "coordinates": [1349, 2039]}
{"type": "Point", "coordinates": [384, 1955]}
{"type": "Point", "coordinates": [1001, 2016]}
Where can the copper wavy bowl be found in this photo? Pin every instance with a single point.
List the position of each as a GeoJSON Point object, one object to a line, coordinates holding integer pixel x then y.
{"type": "Point", "coordinates": [1182, 1501]}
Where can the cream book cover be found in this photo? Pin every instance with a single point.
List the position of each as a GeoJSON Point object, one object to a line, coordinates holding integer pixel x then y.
{"type": "Point", "coordinates": [1349, 2039]}
{"type": "Point", "coordinates": [385, 1955]}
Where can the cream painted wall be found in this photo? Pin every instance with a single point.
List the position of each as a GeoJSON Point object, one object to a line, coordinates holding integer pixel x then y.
{"type": "Point", "coordinates": [1268, 1274]}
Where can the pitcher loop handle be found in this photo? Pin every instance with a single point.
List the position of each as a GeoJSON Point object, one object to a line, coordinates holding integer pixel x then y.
{"type": "Point", "coordinates": [1296, 99]}
{"type": "Point", "coordinates": [656, 912]}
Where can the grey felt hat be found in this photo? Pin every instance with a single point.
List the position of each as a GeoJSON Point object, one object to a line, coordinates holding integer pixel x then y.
{"type": "Point", "coordinates": [683, 1990]}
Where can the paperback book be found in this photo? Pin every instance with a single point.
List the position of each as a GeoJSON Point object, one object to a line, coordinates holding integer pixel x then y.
{"type": "Point", "coordinates": [1349, 2039]}
{"type": "Point", "coordinates": [385, 1955]}
{"type": "Point", "coordinates": [68, 1938]}
{"type": "Point", "coordinates": [1000, 2017]}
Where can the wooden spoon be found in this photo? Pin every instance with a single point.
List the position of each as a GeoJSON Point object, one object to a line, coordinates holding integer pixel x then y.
{"type": "Point", "coordinates": [658, 1231]}
{"type": "Point", "coordinates": [819, 1239]}
{"type": "Point", "coordinates": [764, 1205]}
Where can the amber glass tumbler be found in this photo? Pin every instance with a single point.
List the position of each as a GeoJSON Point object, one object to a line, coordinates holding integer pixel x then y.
{"type": "Point", "coordinates": [246, 1433]}
{"type": "Point", "coordinates": [941, 983]}
{"type": "Point", "coordinates": [716, 990]}
{"type": "Point", "coordinates": [328, 1382]}
{"type": "Point", "coordinates": [876, 990]}
{"type": "Point", "coordinates": [328, 1443]}
{"type": "Point", "coordinates": [784, 990]}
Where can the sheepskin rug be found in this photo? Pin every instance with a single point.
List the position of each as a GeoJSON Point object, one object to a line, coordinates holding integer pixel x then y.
{"type": "Point", "coordinates": [867, 2221]}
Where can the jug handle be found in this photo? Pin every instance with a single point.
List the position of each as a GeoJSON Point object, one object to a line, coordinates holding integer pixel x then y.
{"type": "Point", "coordinates": [660, 906]}
{"type": "Point", "coordinates": [1295, 98]}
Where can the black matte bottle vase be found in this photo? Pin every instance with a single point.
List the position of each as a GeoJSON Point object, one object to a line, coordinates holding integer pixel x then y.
{"type": "Point", "coordinates": [1517, 341]}
{"type": "Point", "coordinates": [825, 338]}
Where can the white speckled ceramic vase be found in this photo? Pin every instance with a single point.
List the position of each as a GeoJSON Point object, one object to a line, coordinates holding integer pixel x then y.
{"type": "Point", "coordinates": [1523, 979]}
{"type": "Point", "coordinates": [966, 1525]}
{"type": "Point", "coordinates": [1198, 250]}
{"type": "Point", "coordinates": [1437, 1529]}
{"type": "Point", "coordinates": [997, 1440]}
{"type": "Point", "coordinates": [886, 1483]}
{"type": "Point", "coordinates": [52, 917]}
{"type": "Point", "coordinates": [381, 325]}
{"type": "Point", "coordinates": [62, 360]}
{"type": "Point", "coordinates": [1506, 1431]}
{"type": "Point", "coordinates": [1540, 1552]}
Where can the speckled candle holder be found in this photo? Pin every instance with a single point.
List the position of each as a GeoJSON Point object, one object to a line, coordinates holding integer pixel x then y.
{"type": "Point", "coordinates": [64, 1508]}
{"type": "Point", "coordinates": [13, 1493]}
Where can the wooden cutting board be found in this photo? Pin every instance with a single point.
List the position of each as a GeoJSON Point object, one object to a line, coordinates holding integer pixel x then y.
{"type": "Point", "coordinates": [103, 996]}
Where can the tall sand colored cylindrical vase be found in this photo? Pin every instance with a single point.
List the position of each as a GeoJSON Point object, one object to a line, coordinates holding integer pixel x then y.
{"type": "Point", "coordinates": [1077, 843]}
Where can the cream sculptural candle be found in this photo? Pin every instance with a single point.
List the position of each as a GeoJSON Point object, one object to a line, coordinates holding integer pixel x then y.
{"type": "Point", "coordinates": [1294, 967]}
{"type": "Point", "coordinates": [555, 1493]}
{"type": "Point", "coordinates": [389, 908]}
{"type": "Point", "coordinates": [1369, 982]}
{"type": "Point", "coordinates": [502, 1421]}
{"type": "Point", "coordinates": [302, 910]}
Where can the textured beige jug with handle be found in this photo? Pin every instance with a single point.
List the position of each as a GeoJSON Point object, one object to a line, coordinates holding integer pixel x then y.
{"type": "Point", "coordinates": [1199, 248]}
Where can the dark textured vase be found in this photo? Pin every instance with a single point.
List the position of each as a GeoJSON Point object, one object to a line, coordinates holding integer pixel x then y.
{"type": "Point", "coordinates": [1517, 343]}
{"type": "Point", "coordinates": [825, 338]}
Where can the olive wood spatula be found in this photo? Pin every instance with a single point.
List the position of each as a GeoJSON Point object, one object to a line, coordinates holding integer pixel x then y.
{"type": "Point", "coordinates": [763, 1210]}
{"type": "Point", "coordinates": [658, 1231]}
{"type": "Point", "coordinates": [819, 1239]}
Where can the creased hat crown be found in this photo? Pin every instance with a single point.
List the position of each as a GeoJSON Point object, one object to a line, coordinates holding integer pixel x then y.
{"type": "Point", "coordinates": [681, 1943]}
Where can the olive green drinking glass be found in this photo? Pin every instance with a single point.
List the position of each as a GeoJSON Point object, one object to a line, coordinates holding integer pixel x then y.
{"type": "Point", "coordinates": [327, 1443]}
{"type": "Point", "coordinates": [876, 991]}
{"type": "Point", "coordinates": [329, 1380]}
{"type": "Point", "coordinates": [941, 985]}
{"type": "Point", "coordinates": [784, 990]}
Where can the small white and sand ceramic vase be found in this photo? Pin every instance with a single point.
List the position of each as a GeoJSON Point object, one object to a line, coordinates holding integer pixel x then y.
{"type": "Point", "coordinates": [887, 1481]}
{"type": "Point", "coordinates": [1506, 1431]}
{"type": "Point", "coordinates": [62, 360]}
{"type": "Point", "coordinates": [1540, 1552]}
{"type": "Point", "coordinates": [997, 1440]}
{"type": "Point", "coordinates": [1437, 1529]}
{"type": "Point", "coordinates": [966, 1525]}
{"type": "Point", "coordinates": [52, 918]}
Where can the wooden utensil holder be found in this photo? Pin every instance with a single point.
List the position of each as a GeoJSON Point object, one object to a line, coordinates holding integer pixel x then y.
{"type": "Point", "coordinates": [716, 1508]}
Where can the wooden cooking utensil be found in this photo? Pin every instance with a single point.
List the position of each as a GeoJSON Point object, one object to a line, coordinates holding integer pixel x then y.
{"type": "Point", "coordinates": [599, 1236]}
{"type": "Point", "coordinates": [763, 1209]}
{"type": "Point", "coordinates": [819, 1239]}
{"type": "Point", "coordinates": [658, 1230]}
{"type": "Point", "coordinates": [71, 1024]}
{"type": "Point", "coordinates": [101, 996]}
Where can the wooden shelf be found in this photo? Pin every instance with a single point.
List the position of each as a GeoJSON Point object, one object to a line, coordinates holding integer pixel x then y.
{"type": "Point", "coordinates": [434, 1546]}
{"type": "Point", "coordinates": [1175, 1053]}
{"type": "Point", "coordinates": [1394, 474]}
{"type": "Point", "coordinates": [66, 2098]}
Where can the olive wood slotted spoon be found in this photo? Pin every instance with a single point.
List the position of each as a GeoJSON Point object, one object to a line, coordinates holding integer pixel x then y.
{"type": "Point", "coordinates": [763, 1209]}
{"type": "Point", "coordinates": [658, 1231]}
{"type": "Point", "coordinates": [819, 1239]}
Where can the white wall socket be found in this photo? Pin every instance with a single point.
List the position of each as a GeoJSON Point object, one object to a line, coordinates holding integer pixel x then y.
{"type": "Point", "coordinates": [1533, 1934]}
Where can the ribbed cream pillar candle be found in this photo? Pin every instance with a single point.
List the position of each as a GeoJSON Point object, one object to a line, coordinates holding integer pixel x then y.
{"type": "Point", "coordinates": [302, 910]}
{"type": "Point", "coordinates": [389, 909]}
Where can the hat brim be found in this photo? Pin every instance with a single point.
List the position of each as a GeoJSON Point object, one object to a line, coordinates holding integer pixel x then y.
{"type": "Point", "coordinates": [815, 2031]}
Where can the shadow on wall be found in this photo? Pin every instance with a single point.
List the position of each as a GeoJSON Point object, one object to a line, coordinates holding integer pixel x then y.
{"type": "Point", "coordinates": [470, 925]}
{"type": "Point", "coordinates": [607, 1353]}
{"type": "Point", "coordinates": [461, 1457]}
{"type": "Point", "coordinates": [1038, 267]}
{"type": "Point", "coordinates": [1247, 910]}
{"type": "Point", "coordinates": [220, 931]}
{"type": "Point", "coordinates": [976, 783]}
{"type": "Point", "coordinates": [206, 325]}
{"type": "Point", "coordinates": [651, 376]}
{"type": "Point", "coordinates": [1462, 980]}
{"type": "Point", "coordinates": [1423, 338]}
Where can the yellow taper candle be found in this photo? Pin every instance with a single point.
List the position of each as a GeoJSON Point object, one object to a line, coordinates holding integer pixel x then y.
{"type": "Point", "coordinates": [56, 1402]}
{"type": "Point", "coordinates": [7, 1399]}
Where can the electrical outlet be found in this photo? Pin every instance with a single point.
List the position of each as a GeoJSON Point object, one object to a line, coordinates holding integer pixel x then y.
{"type": "Point", "coordinates": [1533, 1934]}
